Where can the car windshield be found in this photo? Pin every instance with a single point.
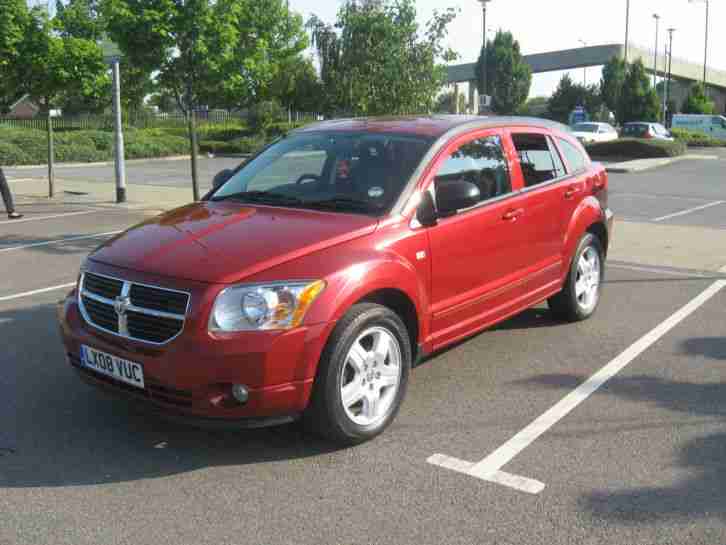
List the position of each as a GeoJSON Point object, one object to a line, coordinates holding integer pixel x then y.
{"type": "Point", "coordinates": [347, 172]}
{"type": "Point", "coordinates": [585, 127]}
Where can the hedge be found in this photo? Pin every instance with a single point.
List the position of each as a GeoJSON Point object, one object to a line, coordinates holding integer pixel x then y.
{"type": "Point", "coordinates": [30, 146]}
{"type": "Point", "coordinates": [697, 139]}
{"type": "Point", "coordinates": [634, 148]}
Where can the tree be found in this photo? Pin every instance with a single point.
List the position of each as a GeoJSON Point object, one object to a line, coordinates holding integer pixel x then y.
{"type": "Point", "coordinates": [569, 95]}
{"type": "Point", "coordinates": [445, 103]}
{"type": "Point", "coordinates": [13, 23]}
{"type": "Point", "coordinates": [611, 84]}
{"type": "Point", "coordinates": [697, 102]}
{"type": "Point", "coordinates": [48, 65]}
{"type": "Point", "coordinates": [377, 62]}
{"type": "Point", "coordinates": [296, 85]}
{"type": "Point", "coordinates": [206, 52]}
{"type": "Point", "coordinates": [508, 77]}
{"type": "Point", "coordinates": [638, 100]}
{"type": "Point", "coordinates": [534, 107]}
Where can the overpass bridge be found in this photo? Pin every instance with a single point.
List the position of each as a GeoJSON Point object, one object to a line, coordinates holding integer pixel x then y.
{"type": "Point", "coordinates": [684, 72]}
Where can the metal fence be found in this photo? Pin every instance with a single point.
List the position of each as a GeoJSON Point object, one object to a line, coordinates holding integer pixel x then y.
{"type": "Point", "coordinates": [145, 120]}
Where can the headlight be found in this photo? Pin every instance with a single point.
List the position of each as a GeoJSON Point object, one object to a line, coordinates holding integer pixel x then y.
{"type": "Point", "coordinates": [252, 307]}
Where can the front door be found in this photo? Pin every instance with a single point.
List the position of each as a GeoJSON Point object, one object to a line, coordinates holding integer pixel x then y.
{"type": "Point", "coordinates": [474, 251]}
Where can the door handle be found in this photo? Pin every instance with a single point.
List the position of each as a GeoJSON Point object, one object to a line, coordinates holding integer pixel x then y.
{"type": "Point", "coordinates": [512, 215]}
{"type": "Point", "coordinates": [571, 191]}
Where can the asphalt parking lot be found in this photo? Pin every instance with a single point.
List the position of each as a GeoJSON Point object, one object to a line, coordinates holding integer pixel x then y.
{"type": "Point", "coordinates": [611, 430]}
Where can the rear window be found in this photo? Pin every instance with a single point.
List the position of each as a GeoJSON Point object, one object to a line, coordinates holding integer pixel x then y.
{"type": "Point", "coordinates": [585, 127]}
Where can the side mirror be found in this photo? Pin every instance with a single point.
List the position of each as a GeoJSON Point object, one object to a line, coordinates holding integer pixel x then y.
{"type": "Point", "coordinates": [454, 195]}
{"type": "Point", "coordinates": [426, 211]}
{"type": "Point", "coordinates": [221, 177]}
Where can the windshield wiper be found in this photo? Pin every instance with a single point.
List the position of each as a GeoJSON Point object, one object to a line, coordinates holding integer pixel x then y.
{"type": "Point", "coordinates": [262, 197]}
{"type": "Point", "coordinates": [342, 203]}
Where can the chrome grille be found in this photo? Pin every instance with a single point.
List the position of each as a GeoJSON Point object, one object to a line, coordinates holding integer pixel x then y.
{"type": "Point", "coordinates": [135, 311]}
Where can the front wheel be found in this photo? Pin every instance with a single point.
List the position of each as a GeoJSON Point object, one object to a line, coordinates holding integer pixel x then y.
{"type": "Point", "coordinates": [581, 293]}
{"type": "Point", "coordinates": [362, 376]}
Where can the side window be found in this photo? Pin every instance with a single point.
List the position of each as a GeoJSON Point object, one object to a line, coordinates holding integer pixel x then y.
{"type": "Point", "coordinates": [535, 158]}
{"type": "Point", "coordinates": [574, 156]}
{"type": "Point", "coordinates": [481, 162]}
{"type": "Point", "coordinates": [559, 165]}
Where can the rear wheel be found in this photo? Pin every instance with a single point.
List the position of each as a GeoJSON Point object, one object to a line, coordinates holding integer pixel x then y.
{"type": "Point", "coordinates": [362, 376]}
{"type": "Point", "coordinates": [581, 293]}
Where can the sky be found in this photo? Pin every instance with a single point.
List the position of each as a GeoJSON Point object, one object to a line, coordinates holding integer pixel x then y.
{"type": "Point", "coordinates": [551, 25]}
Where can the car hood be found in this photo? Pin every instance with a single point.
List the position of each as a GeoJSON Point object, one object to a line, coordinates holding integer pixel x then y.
{"type": "Point", "coordinates": [587, 135]}
{"type": "Point", "coordinates": [225, 242]}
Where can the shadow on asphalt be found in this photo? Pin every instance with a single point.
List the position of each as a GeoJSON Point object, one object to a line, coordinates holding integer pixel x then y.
{"type": "Point", "coordinates": [57, 431]}
{"type": "Point", "coordinates": [701, 496]}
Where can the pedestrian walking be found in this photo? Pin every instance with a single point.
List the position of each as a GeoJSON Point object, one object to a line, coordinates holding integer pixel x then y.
{"type": "Point", "coordinates": [8, 197]}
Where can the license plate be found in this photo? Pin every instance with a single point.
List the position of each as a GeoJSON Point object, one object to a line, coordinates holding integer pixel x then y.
{"type": "Point", "coordinates": [113, 366]}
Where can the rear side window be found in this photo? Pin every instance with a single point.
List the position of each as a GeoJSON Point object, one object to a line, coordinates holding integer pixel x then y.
{"type": "Point", "coordinates": [574, 157]}
{"type": "Point", "coordinates": [536, 159]}
{"type": "Point", "coordinates": [635, 130]}
{"type": "Point", "coordinates": [481, 162]}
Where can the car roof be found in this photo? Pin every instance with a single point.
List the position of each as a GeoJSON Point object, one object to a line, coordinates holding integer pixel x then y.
{"type": "Point", "coordinates": [433, 126]}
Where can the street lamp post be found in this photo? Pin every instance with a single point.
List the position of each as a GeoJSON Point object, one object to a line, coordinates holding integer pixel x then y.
{"type": "Point", "coordinates": [670, 66]}
{"type": "Point", "coordinates": [584, 68]}
{"type": "Point", "coordinates": [705, 51]}
{"type": "Point", "coordinates": [627, 27]}
{"type": "Point", "coordinates": [484, 46]}
{"type": "Point", "coordinates": [655, 55]}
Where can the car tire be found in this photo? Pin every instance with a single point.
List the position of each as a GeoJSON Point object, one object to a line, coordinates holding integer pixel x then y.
{"type": "Point", "coordinates": [362, 376]}
{"type": "Point", "coordinates": [580, 295]}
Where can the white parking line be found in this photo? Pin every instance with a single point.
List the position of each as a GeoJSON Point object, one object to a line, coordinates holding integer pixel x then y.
{"type": "Point", "coordinates": [58, 241]}
{"type": "Point", "coordinates": [53, 216]}
{"type": "Point", "coordinates": [657, 197]}
{"type": "Point", "coordinates": [688, 211]}
{"type": "Point", "coordinates": [656, 270]}
{"type": "Point", "coordinates": [489, 469]}
{"type": "Point", "coordinates": [36, 292]}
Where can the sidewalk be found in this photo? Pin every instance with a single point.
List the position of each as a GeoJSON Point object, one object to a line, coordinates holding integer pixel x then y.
{"type": "Point", "coordinates": [640, 165]}
{"type": "Point", "coordinates": [140, 196]}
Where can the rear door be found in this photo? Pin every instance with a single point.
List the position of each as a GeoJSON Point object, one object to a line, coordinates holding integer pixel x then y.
{"type": "Point", "coordinates": [546, 188]}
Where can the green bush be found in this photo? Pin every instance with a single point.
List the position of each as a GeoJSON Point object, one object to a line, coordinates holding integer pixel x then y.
{"type": "Point", "coordinates": [697, 139]}
{"type": "Point", "coordinates": [11, 154]}
{"type": "Point", "coordinates": [634, 148]}
{"type": "Point", "coordinates": [141, 146]}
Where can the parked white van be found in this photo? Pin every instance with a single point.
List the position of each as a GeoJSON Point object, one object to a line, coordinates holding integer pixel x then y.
{"type": "Point", "coordinates": [710, 125]}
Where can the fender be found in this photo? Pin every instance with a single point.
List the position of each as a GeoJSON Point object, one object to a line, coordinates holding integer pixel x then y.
{"type": "Point", "coordinates": [587, 213]}
{"type": "Point", "coordinates": [381, 272]}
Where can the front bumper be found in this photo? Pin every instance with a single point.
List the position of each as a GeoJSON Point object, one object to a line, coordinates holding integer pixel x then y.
{"type": "Point", "coordinates": [191, 377]}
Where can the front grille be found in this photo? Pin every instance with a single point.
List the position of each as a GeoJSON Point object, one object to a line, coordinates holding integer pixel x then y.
{"type": "Point", "coordinates": [134, 311]}
{"type": "Point", "coordinates": [109, 288]}
{"type": "Point", "coordinates": [167, 301]}
{"type": "Point", "coordinates": [101, 314]}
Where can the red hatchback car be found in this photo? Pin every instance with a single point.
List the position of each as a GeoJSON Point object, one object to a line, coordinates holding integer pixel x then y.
{"type": "Point", "coordinates": [311, 278]}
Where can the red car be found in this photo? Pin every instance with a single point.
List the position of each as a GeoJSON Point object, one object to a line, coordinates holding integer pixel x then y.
{"type": "Point", "coordinates": [312, 278]}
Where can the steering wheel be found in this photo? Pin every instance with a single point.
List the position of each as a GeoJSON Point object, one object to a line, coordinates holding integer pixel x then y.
{"type": "Point", "coordinates": [313, 177]}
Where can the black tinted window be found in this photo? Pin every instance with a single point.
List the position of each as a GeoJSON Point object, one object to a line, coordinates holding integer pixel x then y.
{"type": "Point", "coordinates": [535, 158]}
{"type": "Point", "coordinates": [574, 157]}
{"type": "Point", "coordinates": [482, 163]}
